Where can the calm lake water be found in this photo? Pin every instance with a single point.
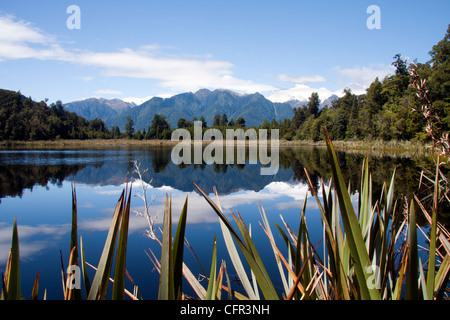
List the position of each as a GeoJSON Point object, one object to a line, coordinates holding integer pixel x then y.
{"type": "Point", "coordinates": [35, 187]}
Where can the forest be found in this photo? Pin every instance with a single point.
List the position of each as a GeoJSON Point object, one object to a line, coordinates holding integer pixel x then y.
{"type": "Point", "coordinates": [23, 119]}
{"type": "Point", "coordinates": [389, 110]}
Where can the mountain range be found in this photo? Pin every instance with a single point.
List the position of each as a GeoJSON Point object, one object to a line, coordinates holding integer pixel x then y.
{"type": "Point", "coordinates": [104, 109]}
{"type": "Point", "coordinates": [254, 108]}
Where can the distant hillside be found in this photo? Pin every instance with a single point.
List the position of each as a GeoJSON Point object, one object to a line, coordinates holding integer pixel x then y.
{"type": "Point", "coordinates": [253, 107]}
{"type": "Point", "coordinates": [103, 109]}
{"type": "Point", "coordinates": [21, 118]}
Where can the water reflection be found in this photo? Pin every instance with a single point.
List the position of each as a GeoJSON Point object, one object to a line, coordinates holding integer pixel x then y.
{"type": "Point", "coordinates": [34, 239]}
{"type": "Point", "coordinates": [21, 170]}
{"type": "Point", "coordinates": [40, 178]}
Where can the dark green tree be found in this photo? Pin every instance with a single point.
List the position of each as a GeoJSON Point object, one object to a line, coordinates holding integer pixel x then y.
{"type": "Point", "coordinates": [160, 128]}
{"type": "Point", "coordinates": [298, 119]}
{"type": "Point", "coordinates": [439, 79]}
{"type": "Point", "coordinates": [97, 125]}
{"type": "Point", "coordinates": [115, 132]}
{"type": "Point", "coordinates": [400, 65]}
{"type": "Point", "coordinates": [182, 123]}
{"type": "Point", "coordinates": [440, 53]}
{"type": "Point", "coordinates": [313, 104]}
{"type": "Point", "coordinates": [223, 120]}
{"type": "Point", "coordinates": [240, 122]}
{"type": "Point", "coordinates": [138, 135]}
{"type": "Point", "coordinates": [265, 124]}
{"type": "Point", "coordinates": [370, 105]}
{"type": "Point", "coordinates": [129, 127]}
{"type": "Point", "coordinates": [216, 120]}
{"type": "Point", "coordinates": [274, 124]}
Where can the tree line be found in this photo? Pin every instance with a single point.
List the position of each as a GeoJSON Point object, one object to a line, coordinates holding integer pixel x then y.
{"type": "Point", "coordinates": [160, 129]}
{"type": "Point", "coordinates": [22, 118]}
{"type": "Point", "coordinates": [385, 112]}
{"type": "Point", "coordinates": [389, 110]}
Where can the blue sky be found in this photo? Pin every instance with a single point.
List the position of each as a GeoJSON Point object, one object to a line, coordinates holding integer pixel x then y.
{"type": "Point", "coordinates": [136, 49]}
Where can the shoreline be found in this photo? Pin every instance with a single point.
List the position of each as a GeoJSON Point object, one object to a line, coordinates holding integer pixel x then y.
{"type": "Point", "coordinates": [387, 146]}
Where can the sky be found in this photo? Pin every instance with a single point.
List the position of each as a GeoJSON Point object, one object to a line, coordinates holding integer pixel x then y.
{"type": "Point", "coordinates": [134, 50]}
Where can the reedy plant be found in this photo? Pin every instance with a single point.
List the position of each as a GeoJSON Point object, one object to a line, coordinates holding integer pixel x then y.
{"type": "Point", "coordinates": [117, 236]}
{"type": "Point", "coordinates": [370, 252]}
{"type": "Point", "coordinates": [97, 290]}
{"type": "Point", "coordinates": [366, 256]}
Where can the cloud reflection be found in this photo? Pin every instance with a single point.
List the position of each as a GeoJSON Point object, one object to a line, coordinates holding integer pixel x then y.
{"type": "Point", "coordinates": [32, 239]}
{"type": "Point", "coordinates": [198, 209]}
{"type": "Point", "coordinates": [93, 216]}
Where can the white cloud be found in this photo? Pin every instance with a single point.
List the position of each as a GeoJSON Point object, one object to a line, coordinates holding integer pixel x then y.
{"type": "Point", "coordinates": [19, 31]}
{"type": "Point", "coordinates": [29, 244]}
{"type": "Point", "coordinates": [108, 92]}
{"type": "Point", "coordinates": [137, 101]}
{"type": "Point", "coordinates": [108, 192]}
{"type": "Point", "coordinates": [295, 191]}
{"type": "Point", "coordinates": [301, 79]}
{"type": "Point", "coordinates": [299, 92]}
{"type": "Point", "coordinates": [173, 72]}
{"type": "Point", "coordinates": [21, 40]}
{"type": "Point", "coordinates": [359, 78]}
{"type": "Point", "coordinates": [235, 200]}
{"type": "Point", "coordinates": [176, 73]}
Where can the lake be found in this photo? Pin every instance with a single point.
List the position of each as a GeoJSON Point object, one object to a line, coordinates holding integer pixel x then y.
{"type": "Point", "coordinates": [35, 187]}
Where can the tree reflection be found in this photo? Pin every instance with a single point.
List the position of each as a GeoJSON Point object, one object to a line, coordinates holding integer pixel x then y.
{"type": "Point", "coordinates": [14, 179]}
{"type": "Point", "coordinates": [111, 167]}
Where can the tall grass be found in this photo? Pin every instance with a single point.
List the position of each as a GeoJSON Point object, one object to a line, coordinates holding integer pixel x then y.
{"type": "Point", "coordinates": [366, 254]}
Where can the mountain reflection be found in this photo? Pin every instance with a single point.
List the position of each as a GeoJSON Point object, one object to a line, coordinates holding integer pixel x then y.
{"type": "Point", "coordinates": [20, 170]}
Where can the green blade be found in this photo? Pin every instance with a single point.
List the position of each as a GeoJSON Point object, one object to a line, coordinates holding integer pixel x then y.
{"type": "Point", "coordinates": [165, 291]}
{"type": "Point", "coordinates": [234, 255]}
{"type": "Point", "coordinates": [74, 232]}
{"type": "Point", "coordinates": [76, 294]}
{"type": "Point", "coordinates": [177, 253]}
{"type": "Point", "coordinates": [210, 292]}
{"type": "Point", "coordinates": [121, 256]}
{"type": "Point", "coordinates": [35, 291]}
{"type": "Point", "coordinates": [432, 257]}
{"type": "Point", "coordinates": [101, 278]}
{"type": "Point", "coordinates": [442, 277]}
{"type": "Point", "coordinates": [13, 279]}
{"type": "Point", "coordinates": [87, 284]}
{"type": "Point", "coordinates": [352, 229]}
{"type": "Point", "coordinates": [333, 245]}
{"type": "Point", "coordinates": [412, 289]}
{"type": "Point", "coordinates": [258, 268]}
{"type": "Point", "coordinates": [255, 263]}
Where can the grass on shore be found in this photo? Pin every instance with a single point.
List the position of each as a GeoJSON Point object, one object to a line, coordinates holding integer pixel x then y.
{"type": "Point", "coordinates": [376, 145]}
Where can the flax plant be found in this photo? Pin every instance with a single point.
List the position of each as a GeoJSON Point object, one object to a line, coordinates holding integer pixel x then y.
{"type": "Point", "coordinates": [370, 251]}
{"type": "Point", "coordinates": [366, 255]}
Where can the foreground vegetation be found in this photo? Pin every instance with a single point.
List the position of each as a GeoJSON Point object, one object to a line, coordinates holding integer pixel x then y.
{"type": "Point", "coordinates": [366, 255]}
